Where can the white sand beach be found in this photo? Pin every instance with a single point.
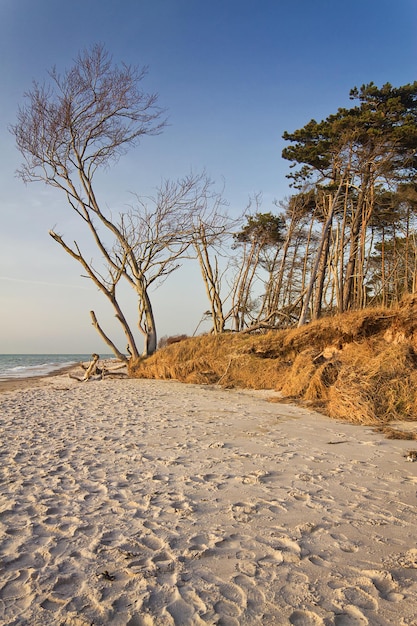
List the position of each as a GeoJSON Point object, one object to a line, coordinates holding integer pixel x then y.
{"type": "Point", "coordinates": [142, 502]}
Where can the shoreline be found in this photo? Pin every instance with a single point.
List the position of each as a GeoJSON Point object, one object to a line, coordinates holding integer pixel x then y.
{"type": "Point", "coordinates": [14, 384]}
{"type": "Point", "coordinates": [24, 382]}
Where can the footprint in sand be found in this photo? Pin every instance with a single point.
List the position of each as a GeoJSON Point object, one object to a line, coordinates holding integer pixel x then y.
{"type": "Point", "coordinates": [248, 568]}
{"type": "Point", "coordinates": [201, 542]}
{"type": "Point", "coordinates": [296, 592]}
{"type": "Point", "coordinates": [228, 601]}
{"type": "Point", "coordinates": [228, 543]}
{"type": "Point", "coordinates": [385, 585]}
{"type": "Point", "coordinates": [66, 587]}
{"type": "Point", "coordinates": [358, 598]}
{"type": "Point", "coordinates": [344, 543]}
{"type": "Point", "coordinates": [351, 616]}
{"type": "Point", "coordinates": [305, 618]}
{"type": "Point", "coordinates": [321, 560]}
{"type": "Point", "coordinates": [243, 511]}
{"type": "Point", "coordinates": [17, 591]}
{"type": "Point", "coordinates": [290, 550]}
{"type": "Point", "coordinates": [152, 542]}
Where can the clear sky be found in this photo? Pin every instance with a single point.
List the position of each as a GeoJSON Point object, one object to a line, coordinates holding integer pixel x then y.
{"type": "Point", "coordinates": [233, 76]}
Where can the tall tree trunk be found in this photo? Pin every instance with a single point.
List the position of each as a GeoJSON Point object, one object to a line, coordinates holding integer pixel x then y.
{"type": "Point", "coordinates": [320, 278]}
{"type": "Point", "coordinates": [341, 256]}
{"type": "Point", "coordinates": [267, 307]}
{"type": "Point", "coordinates": [319, 255]}
{"type": "Point", "coordinates": [147, 322]}
{"type": "Point", "coordinates": [355, 231]}
{"type": "Point", "coordinates": [212, 285]}
{"type": "Point", "coordinates": [243, 284]}
{"type": "Point", "coordinates": [407, 253]}
{"type": "Point", "coordinates": [383, 294]}
{"type": "Point", "coordinates": [276, 295]}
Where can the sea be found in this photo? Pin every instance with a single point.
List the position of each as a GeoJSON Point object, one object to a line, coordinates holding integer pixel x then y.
{"type": "Point", "coordinates": [27, 365]}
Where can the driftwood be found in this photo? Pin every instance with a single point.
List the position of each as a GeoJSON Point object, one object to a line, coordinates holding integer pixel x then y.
{"type": "Point", "coordinates": [92, 369]}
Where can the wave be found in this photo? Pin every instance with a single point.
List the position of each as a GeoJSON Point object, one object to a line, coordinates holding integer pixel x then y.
{"type": "Point", "coordinates": [29, 365]}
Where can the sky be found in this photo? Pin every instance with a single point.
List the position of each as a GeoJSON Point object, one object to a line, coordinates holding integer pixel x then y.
{"type": "Point", "coordinates": [233, 75]}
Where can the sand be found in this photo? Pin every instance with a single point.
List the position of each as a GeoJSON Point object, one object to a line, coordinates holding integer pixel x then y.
{"type": "Point", "coordinates": [141, 502]}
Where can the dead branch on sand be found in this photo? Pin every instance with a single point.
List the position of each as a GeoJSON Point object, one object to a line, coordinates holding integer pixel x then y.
{"type": "Point", "coordinates": [93, 369]}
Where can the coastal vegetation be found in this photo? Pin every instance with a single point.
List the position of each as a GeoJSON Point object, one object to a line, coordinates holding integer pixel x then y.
{"type": "Point", "coordinates": [358, 366]}
{"type": "Point", "coordinates": [344, 241]}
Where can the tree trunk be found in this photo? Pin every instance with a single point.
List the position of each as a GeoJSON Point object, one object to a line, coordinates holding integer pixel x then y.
{"type": "Point", "coordinates": [148, 327]}
{"type": "Point", "coordinates": [280, 276]}
{"type": "Point", "coordinates": [242, 287]}
{"type": "Point", "coordinates": [321, 277]}
{"type": "Point", "coordinates": [150, 343]}
{"type": "Point", "coordinates": [355, 230]}
{"type": "Point", "coordinates": [212, 285]}
{"type": "Point", "coordinates": [320, 251]}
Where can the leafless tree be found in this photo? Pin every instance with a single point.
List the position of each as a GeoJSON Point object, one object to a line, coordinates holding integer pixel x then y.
{"type": "Point", "coordinates": [72, 127]}
{"type": "Point", "coordinates": [157, 234]}
{"type": "Point", "coordinates": [212, 229]}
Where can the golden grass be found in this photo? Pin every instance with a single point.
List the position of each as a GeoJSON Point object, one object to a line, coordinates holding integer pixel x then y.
{"type": "Point", "coordinates": [359, 366]}
{"type": "Point", "coordinates": [227, 359]}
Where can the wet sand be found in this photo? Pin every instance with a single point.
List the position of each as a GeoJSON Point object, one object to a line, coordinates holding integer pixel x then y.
{"type": "Point", "coordinates": [13, 384]}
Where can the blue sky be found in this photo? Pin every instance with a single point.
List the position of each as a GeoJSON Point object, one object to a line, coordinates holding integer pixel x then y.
{"type": "Point", "coordinates": [233, 76]}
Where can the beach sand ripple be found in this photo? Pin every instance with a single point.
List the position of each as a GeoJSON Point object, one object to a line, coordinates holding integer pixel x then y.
{"type": "Point", "coordinates": [150, 503]}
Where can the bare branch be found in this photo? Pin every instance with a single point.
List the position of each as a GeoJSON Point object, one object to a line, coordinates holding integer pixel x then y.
{"type": "Point", "coordinates": [106, 339]}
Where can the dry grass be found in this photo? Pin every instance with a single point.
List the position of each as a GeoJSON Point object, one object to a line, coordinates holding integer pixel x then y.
{"type": "Point", "coordinates": [360, 366]}
{"type": "Point", "coordinates": [228, 359]}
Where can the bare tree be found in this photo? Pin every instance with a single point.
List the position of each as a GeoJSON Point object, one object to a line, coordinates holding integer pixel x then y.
{"type": "Point", "coordinates": [259, 241]}
{"type": "Point", "coordinates": [79, 123]}
{"type": "Point", "coordinates": [156, 235]}
{"type": "Point", "coordinates": [212, 228]}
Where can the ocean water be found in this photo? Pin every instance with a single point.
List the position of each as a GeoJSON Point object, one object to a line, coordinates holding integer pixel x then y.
{"type": "Point", "coordinates": [26, 365]}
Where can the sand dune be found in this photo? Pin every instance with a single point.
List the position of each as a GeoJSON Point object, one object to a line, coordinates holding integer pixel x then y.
{"type": "Point", "coordinates": [141, 503]}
